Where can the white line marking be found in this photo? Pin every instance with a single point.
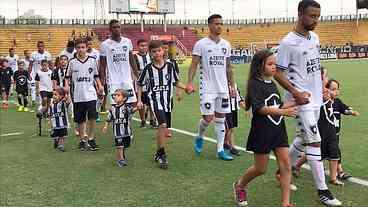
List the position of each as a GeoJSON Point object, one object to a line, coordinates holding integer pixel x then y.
{"type": "Point", "coordinates": [352, 179]}
{"type": "Point", "coordinates": [11, 134]}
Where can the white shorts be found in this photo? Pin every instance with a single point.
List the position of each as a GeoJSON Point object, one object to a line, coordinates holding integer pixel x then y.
{"type": "Point", "coordinates": [132, 98]}
{"type": "Point", "coordinates": [211, 103]}
{"type": "Point", "coordinates": [307, 126]}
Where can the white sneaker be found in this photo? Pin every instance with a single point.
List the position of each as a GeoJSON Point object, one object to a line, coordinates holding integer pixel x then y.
{"type": "Point", "coordinates": [326, 197]}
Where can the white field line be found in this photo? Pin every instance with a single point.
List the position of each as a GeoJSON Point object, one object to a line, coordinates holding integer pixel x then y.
{"type": "Point", "coordinates": [11, 134]}
{"type": "Point", "coordinates": [352, 179]}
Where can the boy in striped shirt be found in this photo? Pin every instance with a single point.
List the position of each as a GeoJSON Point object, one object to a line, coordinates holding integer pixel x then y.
{"type": "Point", "coordinates": [120, 116]}
{"type": "Point", "coordinates": [160, 77]}
{"type": "Point", "coordinates": [58, 116]}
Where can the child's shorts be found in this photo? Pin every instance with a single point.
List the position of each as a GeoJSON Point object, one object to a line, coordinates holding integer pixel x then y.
{"type": "Point", "coordinates": [231, 120]}
{"type": "Point", "coordinates": [122, 142]}
{"type": "Point", "coordinates": [59, 132]}
{"type": "Point", "coordinates": [329, 145]}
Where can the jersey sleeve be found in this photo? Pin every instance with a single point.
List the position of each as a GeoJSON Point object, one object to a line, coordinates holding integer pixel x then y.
{"type": "Point", "coordinates": [283, 57]}
{"type": "Point", "coordinates": [197, 49]}
{"type": "Point", "coordinates": [95, 68]}
{"type": "Point", "coordinates": [69, 70]}
{"type": "Point", "coordinates": [130, 45]}
{"type": "Point", "coordinates": [103, 49]}
{"type": "Point", "coordinates": [142, 80]}
{"type": "Point", "coordinates": [341, 107]}
{"type": "Point", "coordinates": [54, 75]}
{"type": "Point", "coordinates": [175, 76]}
{"type": "Point", "coordinates": [48, 56]}
{"type": "Point", "coordinates": [255, 97]}
{"type": "Point", "coordinates": [37, 78]}
{"type": "Point", "coordinates": [228, 51]}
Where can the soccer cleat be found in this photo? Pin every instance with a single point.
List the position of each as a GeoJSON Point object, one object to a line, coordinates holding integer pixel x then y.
{"type": "Point", "coordinates": [83, 146]}
{"type": "Point", "coordinates": [327, 199]}
{"type": "Point", "coordinates": [92, 145]}
{"type": "Point", "coordinates": [121, 163]}
{"type": "Point", "coordinates": [56, 143]}
{"type": "Point", "coordinates": [240, 195]}
{"type": "Point", "coordinates": [25, 109]}
{"type": "Point", "coordinates": [61, 148]}
{"type": "Point", "coordinates": [234, 151]}
{"type": "Point", "coordinates": [98, 119]}
{"type": "Point", "coordinates": [198, 144]}
{"type": "Point", "coordinates": [156, 157]}
{"type": "Point", "coordinates": [143, 124]}
{"type": "Point", "coordinates": [162, 161]}
{"type": "Point", "coordinates": [20, 108]}
{"type": "Point", "coordinates": [224, 156]}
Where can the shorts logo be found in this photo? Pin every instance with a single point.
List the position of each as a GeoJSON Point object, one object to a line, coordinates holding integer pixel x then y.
{"type": "Point", "coordinates": [314, 129]}
{"type": "Point", "coordinates": [207, 105]}
{"type": "Point", "coordinates": [225, 103]}
{"type": "Point", "coordinates": [90, 70]}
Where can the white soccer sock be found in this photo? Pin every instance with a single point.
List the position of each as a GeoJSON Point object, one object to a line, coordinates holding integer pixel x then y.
{"type": "Point", "coordinates": [295, 151]}
{"type": "Point", "coordinates": [202, 127]}
{"type": "Point", "coordinates": [220, 133]}
{"type": "Point", "coordinates": [313, 155]}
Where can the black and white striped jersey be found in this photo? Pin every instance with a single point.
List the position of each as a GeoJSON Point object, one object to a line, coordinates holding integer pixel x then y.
{"type": "Point", "coordinates": [161, 83]}
{"type": "Point", "coordinates": [59, 115]}
{"type": "Point", "coordinates": [142, 61]}
{"type": "Point", "coordinates": [58, 75]}
{"type": "Point", "coordinates": [120, 117]}
{"type": "Point", "coordinates": [234, 101]}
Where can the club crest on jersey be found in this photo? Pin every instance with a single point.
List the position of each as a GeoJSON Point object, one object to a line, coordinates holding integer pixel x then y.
{"type": "Point", "coordinates": [207, 105]}
{"type": "Point", "coordinates": [125, 48]}
{"type": "Point", "coordinates": [272, 102]}
{"type": "Point", "coordinates": [90, 70]}
{"type": "Point", "coordinates": [224, 50]}
{"type": "Point", "coordinates": [305, 53]}
{"type": "Point", "coordinates": [22, 80]}
{"type": "Point", "coordinates": [167, 76]}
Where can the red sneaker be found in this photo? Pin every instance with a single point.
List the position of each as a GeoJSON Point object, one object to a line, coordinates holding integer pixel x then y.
{"type": "Point", "coordinates": [240, 195]}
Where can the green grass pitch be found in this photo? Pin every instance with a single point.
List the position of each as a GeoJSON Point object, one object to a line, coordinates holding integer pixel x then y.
{"type": "Point", "coordinates": [32, 173]}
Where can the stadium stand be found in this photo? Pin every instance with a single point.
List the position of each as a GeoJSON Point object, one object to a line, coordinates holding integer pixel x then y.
{"type": "Point", "coordinates": [338, 32]}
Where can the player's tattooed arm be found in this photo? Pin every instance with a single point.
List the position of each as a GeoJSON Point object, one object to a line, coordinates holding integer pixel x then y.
{"type": "Point", "coordinates": [102, 69]}
{"type": "Point", "coordinates": [300, 97]}
{"type": "Point", "coordinates": [133, 65]}
{"type": "Point", "coordinates": [139, 97]}
{"type": "Point", "coordinates": [191, 73]}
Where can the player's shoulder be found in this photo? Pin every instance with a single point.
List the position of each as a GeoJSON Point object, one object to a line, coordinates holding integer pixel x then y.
{"type": "Point", "coordinates": [314, 36]}
{"type": "Point", "coordinates": [225, 42]}
{"type": "Point", "coordinates": [290, 39]}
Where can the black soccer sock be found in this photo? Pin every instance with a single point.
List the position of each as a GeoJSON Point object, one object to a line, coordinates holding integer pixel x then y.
{"type": "Point", "coordinates": [20, 100]}
{"type": "Point", "coordinates": [25, 101]}
{"type": "Point", "coordinates": [161, 151]}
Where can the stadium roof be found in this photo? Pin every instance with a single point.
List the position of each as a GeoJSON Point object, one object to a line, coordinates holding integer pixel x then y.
{"type": "Point", "coordinates": [190, 9]}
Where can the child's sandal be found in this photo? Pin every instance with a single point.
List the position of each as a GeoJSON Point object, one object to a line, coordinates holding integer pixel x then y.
{"type": "Point", "coordinates": [344, 176]}
{"type": "Point", "coordinates": [336, 182]}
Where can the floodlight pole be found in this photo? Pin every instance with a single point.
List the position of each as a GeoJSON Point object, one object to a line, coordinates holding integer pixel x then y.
{"type": "Point", "coordinates": [165, 26]}
{"type": "Point", "coordinates": [142, 23]}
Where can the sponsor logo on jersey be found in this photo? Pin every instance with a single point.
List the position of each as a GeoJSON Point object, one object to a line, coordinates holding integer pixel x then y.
{"type": "Point", "coordinates": [217, 60]}
{"type": "Point", "coordinates": [313, 65]}
{"type": "Point", "coordinates": [84, 79]}
{"type": "Point", "coordinates": [161, 88]}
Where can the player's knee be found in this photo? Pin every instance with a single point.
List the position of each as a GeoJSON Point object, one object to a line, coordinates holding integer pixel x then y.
{"type": "Point", "coordinates": [219, 120]}
{"type": "Point", "coordinates": [208, 119]}
{"type": "Point", "coordinates": [260, 170]}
